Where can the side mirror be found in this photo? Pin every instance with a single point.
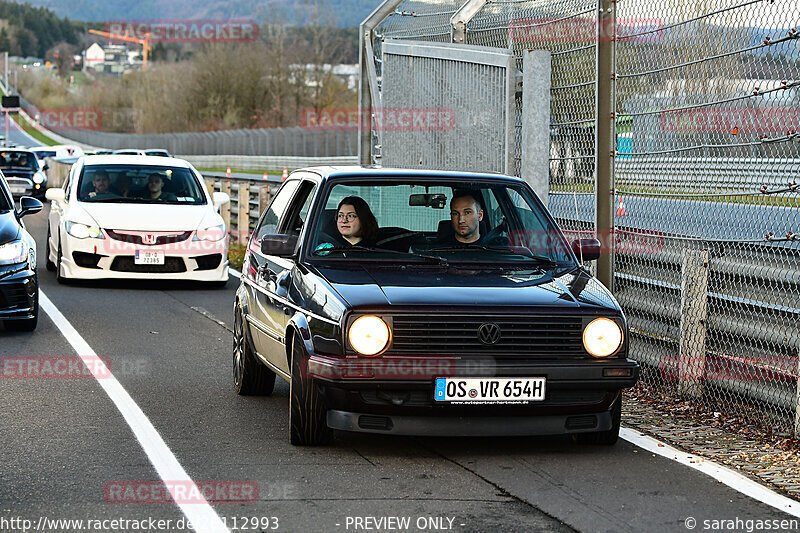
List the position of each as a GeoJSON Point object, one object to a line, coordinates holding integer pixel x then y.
{"type": "Point", "coordinates": [589, 249]}
{"type": "Point", "coordinates": [29, 206]}
{"type": "Point", "coordinates": [55, 195]}
{"type": "Point", "coordinates": [279, 245]}
{"type": "Point", "coordinates": [220, 199]}
{"type": "Point", "coordinates": [46, 167]}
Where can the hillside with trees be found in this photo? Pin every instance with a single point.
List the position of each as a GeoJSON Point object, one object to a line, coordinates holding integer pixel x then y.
{"type": "Point", "coordinates": [32, 31]}
{"type": "Point", "coordinates": [341, 13]}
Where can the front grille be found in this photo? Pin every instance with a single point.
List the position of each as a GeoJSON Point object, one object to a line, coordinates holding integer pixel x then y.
{"type": "Point", "coordinates": [533, 335]}
{"type": "Point", "coordinates": [13, 295]}
{"type": "Point", "coordinates": [208, 262]}
{"type": "Point", "coordinates": [138, 239]}
{"type": "Point", "coordinates": [126, 263]}
{"type": "Point", "coordinates": [87, 260]}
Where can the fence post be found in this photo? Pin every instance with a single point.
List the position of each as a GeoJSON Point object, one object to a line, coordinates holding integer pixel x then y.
{"type": "Point", "coordinates": [263, 199]}
{"type": "Point", "coordinates": [694, 310]}
{"type": "Point", "coordinates": [225, 210]}
{"type": "Point", "coordinates": [535, 164]}
{"type": "Point", "coordinates": [243, 222]}
{"type": "Point", "coordinates": [210, 186]}
{"type": "Point", "coordinates": [797, 398]}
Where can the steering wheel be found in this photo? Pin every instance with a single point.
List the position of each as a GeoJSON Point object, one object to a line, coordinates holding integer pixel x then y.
{"type": "Point", "coordinates": [496, 232]}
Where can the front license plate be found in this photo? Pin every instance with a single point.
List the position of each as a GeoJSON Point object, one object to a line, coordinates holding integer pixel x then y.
{"type": "Point", "coordinates": [17, 189]}
{"type": "Point", "coordinates": [494, 390]}
{"type": "Point", "coordinates": [149, 257]}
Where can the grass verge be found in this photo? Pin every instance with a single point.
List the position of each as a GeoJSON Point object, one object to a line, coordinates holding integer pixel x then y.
{"type": "Point", "coordinates": [236, 255]}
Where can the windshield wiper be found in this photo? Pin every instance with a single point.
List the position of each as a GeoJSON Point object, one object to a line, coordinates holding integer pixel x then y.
{"type": "Point", "coordinates": [432, 258]}
{"type": "Point", "coordinates": [540, 259]}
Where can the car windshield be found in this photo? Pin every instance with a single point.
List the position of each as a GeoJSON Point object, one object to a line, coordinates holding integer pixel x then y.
{"type": "Point", "coordinates": [139, 184]}
{"type": "Point", "coordinates": [41, 154]}
{"type": "Point", "coordinates": [17, 159]}
{"type": "Point", "coordinates": [457, 221]}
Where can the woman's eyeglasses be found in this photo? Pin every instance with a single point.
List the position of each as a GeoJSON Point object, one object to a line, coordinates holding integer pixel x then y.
{"type": "Point", "coordinates": [348, 216]}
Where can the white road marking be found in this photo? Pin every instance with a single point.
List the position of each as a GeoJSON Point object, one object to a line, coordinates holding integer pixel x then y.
{"type": "Point", "coordinates": [729, 477]}
{"type": "Point", "coordinates": [202, 515]}
{"type": "Point", "coordinates": [234, 273]}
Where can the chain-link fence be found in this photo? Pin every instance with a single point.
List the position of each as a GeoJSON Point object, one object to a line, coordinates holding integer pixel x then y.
{"type": "Point", "coordinates": [706, 100]}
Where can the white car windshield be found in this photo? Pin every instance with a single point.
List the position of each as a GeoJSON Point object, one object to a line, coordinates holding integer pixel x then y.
{"type": "Point", "coordinates": [139, 184]}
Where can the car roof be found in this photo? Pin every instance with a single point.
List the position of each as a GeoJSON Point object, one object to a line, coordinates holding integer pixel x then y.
{"type": "Point", "coordinates": [393, 173]}
{"type": "Point", "coordinates": [118, 159]}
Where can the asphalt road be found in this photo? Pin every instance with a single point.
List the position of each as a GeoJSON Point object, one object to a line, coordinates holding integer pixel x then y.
{"type": "Point", "coordinates": [695, 218]}
{"type": "Point", "coordinates": [64, 443]}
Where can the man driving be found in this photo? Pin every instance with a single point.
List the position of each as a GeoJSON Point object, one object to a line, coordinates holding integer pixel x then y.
{"type": "Point", "coordinates": [466, 215]}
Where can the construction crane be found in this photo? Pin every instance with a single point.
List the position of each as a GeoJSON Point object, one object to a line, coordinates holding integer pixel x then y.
{"type": "Point", "coordinates": [144, 42]}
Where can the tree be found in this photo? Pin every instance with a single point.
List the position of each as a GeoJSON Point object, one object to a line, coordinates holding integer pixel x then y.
{"type": "Point", "coordinates": [62, 55]}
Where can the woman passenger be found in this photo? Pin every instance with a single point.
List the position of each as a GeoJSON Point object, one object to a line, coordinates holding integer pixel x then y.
{"type": "Point", "coordinates": [356, 223]}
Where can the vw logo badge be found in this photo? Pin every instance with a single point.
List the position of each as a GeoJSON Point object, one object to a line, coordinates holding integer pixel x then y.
{"type": "Point", "coordinates": [489, 333]}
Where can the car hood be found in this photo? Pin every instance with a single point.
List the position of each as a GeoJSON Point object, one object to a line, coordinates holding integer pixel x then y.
{"type": "Point", "coordinates": [479, 289]}
{"type": "Point", "coordinates": [143, 217]}
{"type": "Point", "coordinates": [9, 228]}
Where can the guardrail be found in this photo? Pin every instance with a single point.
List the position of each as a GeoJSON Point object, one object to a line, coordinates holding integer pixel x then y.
{"type": "Point", "coordinates": [700, 331]}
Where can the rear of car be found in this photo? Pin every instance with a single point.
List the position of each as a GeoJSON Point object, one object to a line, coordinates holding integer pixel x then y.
{"type": "Point", "coordinates": [110, 222]}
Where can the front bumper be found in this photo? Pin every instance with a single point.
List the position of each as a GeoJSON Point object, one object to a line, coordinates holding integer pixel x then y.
{"type": "Point", "coordinates": [466, 426]}
{"type": "Point", "coordinates": [392, 397]}
{"type": "Point", "coordinates": [17, 283]}
{"type": "Point", "coordinates": [109, 258]}
{"type": "Point", "coordinates": [25, 187]}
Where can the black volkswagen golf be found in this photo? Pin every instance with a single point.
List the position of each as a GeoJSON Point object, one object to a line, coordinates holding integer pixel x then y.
{"type": "Point", "coordinates": [19, 283]}
{"type": "Point", "coordinates": [427, 303]}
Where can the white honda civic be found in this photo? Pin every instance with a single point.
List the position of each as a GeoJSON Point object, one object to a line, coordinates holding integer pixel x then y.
{"type": "Point", "coordinates": [136, 217]}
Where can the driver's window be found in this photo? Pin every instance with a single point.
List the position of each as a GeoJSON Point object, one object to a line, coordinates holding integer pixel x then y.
{"type": "Point", "coordinates": [295, 217]}
{"type": "Point", "coordinates": [276, 210]}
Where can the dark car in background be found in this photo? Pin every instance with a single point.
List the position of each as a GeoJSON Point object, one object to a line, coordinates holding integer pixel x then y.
{"type": "Point", "coordinates": [412, 330]}
{"type": "Point", "coordinates": [24, 173]}
{"type": "Point", "coordinates": [19, 283]}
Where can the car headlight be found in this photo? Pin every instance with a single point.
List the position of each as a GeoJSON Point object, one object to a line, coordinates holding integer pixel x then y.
{"type": "Point", "coordinates": [82, 231]}
{"type": "Point", "coordinates": [369, 335]}
{"type": "Point", "coordinates": [38, 177]}
{"type": "Point", "coordinates": [13, 252]}
{"type": "Point", "coordinates": [602, 337]}
{"type": "Point", "coordinates": [214, 233]}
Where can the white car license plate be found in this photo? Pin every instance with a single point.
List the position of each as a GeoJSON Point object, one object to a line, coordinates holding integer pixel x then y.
{"type": "Point", "coordinates": [149, 257]}
{"type": "Point", "coordinates": [17, 189]}
{"type": "Point", "coordinates": [495, 390]}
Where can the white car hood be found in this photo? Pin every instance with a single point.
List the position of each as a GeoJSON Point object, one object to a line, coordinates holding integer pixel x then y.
{"type": "Point", "coordinates": [142, 217]}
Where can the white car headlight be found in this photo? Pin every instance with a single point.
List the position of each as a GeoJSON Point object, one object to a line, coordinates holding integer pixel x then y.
{"type": "Point", "coordinates": [13, 252]}
{"type": "Point", "coordinates": [82, 231]}
{"type": "Point", "coordinates": [214, 233]}
{"type": "Point", "coordinates": [602, 337]}
{"type": "Point", "coordinates": [369, 335]}
{"type": "Point", "coordinates": [38, 177]}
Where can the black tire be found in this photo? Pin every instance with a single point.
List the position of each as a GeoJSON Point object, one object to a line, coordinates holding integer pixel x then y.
{"type": "Point", "coordinates": [51, 267]}
{"type": "Point", "coordinates": [605, 438]}
{"type": "Point", "coordinates": [250, 377]}
{"type": "Point", "coordinates": [27, 324]}
{"type": "Point", "coordinates": [308, 424]}
{"type": "Point", "coordinates": [59, 278]}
